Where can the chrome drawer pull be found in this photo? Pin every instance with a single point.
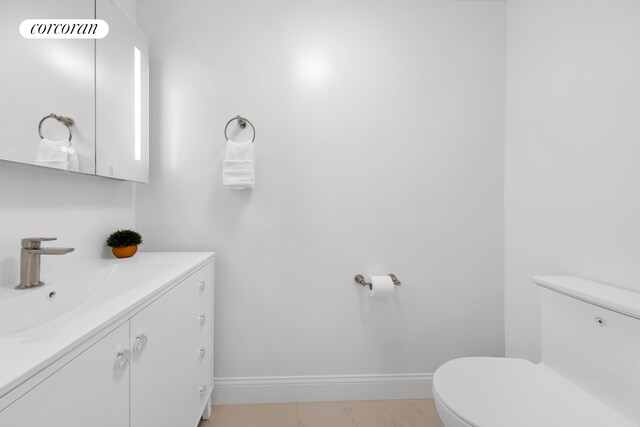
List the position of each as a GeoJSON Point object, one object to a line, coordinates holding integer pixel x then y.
{"type": "Point", "coordinates": [122, 360]}
{"type": "Point", "coordinates": [203, 390]}
{"type": "Point", "coordinates": [201, 286]}
{"type": "Point", "coordinates": [201, 353]}
{"type": "Point", "coordinates": [202, 318]}
{"type": "Point", "coordinates": [140, 343]}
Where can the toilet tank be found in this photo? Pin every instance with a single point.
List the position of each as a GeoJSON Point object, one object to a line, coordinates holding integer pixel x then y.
{"type": "Point", "coordinates": [591, 337]}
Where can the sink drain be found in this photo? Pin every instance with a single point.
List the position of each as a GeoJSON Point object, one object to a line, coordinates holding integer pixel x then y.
{"type": "Point", "coordinates": [51, 295]}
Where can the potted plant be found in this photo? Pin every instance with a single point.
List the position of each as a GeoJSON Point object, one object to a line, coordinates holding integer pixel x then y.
{"type": "Point", "coordinates": [124, 243]}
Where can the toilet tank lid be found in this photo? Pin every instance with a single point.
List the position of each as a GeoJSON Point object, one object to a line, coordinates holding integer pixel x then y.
{"type": "Point", "coordinates": [617, 299]}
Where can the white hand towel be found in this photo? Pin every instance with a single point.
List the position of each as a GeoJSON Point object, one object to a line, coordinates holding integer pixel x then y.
{"type": "Point", "coordinates": [57, 154]}
{"type": "Point", "coordinates": [238, 168]}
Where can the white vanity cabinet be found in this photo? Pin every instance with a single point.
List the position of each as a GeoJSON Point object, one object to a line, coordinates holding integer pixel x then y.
{"type": "Point", "coordinates": [149, 363]}
{"type": "Point", "coordinates": [92, 389]}
{"type": "Point", "coordinates": [172, 346]}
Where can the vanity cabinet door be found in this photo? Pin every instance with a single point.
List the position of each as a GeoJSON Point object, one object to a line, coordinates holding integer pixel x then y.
{"type": "Point", "coordinates": [122, 97]}
{"type": "Point", "coordinates": [91, 390]}
{"type": "Point", "coordinates": [172, 343]}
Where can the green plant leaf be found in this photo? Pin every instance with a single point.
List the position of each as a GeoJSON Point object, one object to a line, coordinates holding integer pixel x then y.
{"type": "Point", "coordinates": [124, 238]}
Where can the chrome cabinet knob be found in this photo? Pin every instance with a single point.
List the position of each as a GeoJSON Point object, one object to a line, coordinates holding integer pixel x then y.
{"type": "Point", "coordinates": [203, 390]}
{"type": "Point", "coordinates": [122, 360]}
{"type": "Point", "coordinates": [202, 318]}
{"type": "Point", "coordinates": [201, 353]}
{"type": "Point", "coordinates": [140, 343]}
{"type": "Point", "coordinates": [201, 286]}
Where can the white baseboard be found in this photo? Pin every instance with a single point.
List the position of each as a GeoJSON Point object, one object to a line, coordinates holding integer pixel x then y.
{"type": "Point", "coordinates": [322, 388]}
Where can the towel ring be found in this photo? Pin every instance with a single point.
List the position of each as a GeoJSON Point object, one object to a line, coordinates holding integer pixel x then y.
{"type": "Point", "coordinates": [242, 122]}
{"type": "Point", "coordinates": [67, 121]}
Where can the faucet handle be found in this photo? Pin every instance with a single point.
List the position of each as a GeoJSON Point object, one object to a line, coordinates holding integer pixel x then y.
{"type": "Point", "coordinates": [34, 242]}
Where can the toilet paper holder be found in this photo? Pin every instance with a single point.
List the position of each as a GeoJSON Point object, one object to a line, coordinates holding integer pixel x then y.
{"type": "Point", "coordinates": [360, 280]}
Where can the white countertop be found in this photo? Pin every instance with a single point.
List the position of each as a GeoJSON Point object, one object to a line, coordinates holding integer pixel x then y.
{"type": "Point", "coordinates": [24, 354]}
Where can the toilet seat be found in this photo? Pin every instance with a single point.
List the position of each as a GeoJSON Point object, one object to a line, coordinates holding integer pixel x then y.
{"type": "Point", "coordinates": [498, 392]}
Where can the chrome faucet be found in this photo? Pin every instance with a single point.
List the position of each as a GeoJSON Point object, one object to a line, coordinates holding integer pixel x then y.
{"type": "Point", "coordinates": [30, 260]}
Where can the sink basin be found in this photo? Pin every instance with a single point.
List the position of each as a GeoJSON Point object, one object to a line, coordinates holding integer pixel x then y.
{"type": "Point", "coordinates": [65, 297]}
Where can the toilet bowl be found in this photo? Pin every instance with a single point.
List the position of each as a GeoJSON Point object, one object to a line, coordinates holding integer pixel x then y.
{"type": "Point", "coordinates": [588, 377]}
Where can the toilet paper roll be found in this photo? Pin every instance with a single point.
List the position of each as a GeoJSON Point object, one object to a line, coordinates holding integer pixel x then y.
{"type": "Point", "coordinates": [381, 287]}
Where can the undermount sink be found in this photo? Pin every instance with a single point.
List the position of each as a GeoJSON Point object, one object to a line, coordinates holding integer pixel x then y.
{"type": "Point", "coordinates": [65, 297]}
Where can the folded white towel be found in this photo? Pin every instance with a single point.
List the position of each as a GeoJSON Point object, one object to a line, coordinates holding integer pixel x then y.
{"type": "Point", "coordinates": [238, 168]}
{"type": "Point", "coordinates": [57, 154]}
{"type": "Point", "coordinates": [238, 175]}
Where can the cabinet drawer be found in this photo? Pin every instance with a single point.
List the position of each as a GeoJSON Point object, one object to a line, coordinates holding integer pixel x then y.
{"type": "Point", "coordinates": [194, 404]}
{"type": "Point", "coordinates": [196, 358]}
{"type": "Point", "coordinates": [198, 324]}
{"type": "Point", "coordinates": [192, 290]}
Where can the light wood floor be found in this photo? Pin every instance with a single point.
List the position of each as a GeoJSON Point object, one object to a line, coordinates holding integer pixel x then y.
{"type": "Point", "coordinates": [374, 413]}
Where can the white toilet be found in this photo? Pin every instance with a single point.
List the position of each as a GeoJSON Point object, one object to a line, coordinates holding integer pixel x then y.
{"type": "Point", "coordinates": [589, 375]}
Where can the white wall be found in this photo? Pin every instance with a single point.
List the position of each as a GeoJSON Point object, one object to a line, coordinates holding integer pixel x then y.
{"type": "Point", "coordinates": [80, 210]}
{"type": "Point", "coordinates": [572, 151]}
{"type": "Point", "coordinates": [379, 149]}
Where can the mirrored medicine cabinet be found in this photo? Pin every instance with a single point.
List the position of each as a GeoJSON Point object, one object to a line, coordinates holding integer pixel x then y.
{"type": "Point", "coordinates": [80, 105]}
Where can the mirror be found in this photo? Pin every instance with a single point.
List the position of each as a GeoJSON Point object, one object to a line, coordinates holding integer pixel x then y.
{"type": "Point", "coordinates": [44, 77]}
{"type": "Point", "coordinates": [75, 104]}
{"type": "Point", "coordinates": [122, 102]}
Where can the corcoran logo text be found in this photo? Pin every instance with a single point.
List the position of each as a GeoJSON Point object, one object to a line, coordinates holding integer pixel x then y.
{"type": "Point", "coordinates": [64, 28]}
